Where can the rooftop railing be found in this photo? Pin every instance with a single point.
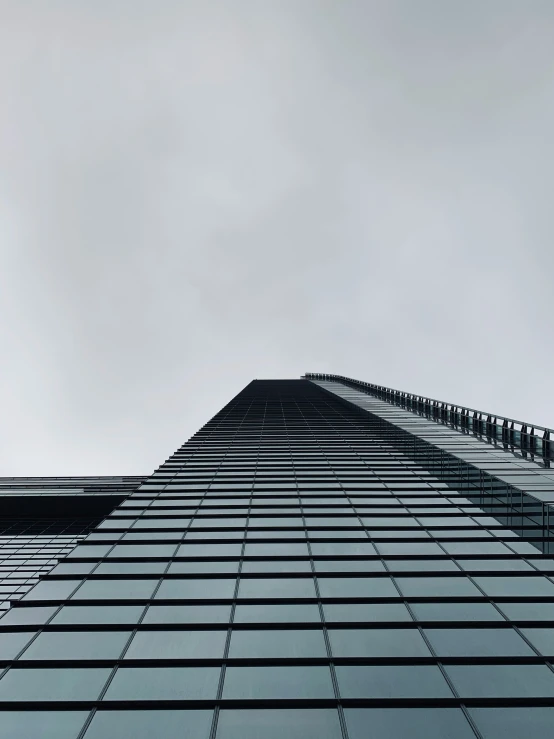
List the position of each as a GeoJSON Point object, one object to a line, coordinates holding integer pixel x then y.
{"type": "Point", "coordinates": [515, 436]}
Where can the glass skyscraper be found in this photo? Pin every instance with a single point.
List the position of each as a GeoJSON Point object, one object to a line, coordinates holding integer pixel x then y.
{"type": "Point", "coordinates": [324, 559]}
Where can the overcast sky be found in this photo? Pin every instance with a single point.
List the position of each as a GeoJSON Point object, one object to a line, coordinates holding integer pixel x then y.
{"type": "Point", "coordinates": [194, 194]}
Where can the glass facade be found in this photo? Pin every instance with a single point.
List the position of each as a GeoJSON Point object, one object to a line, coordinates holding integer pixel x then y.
{"type": "Point", "coordinates": [295, 570]}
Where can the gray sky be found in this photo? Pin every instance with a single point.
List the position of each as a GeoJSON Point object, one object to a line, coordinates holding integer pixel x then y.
{"type": "Point", "coordinates": [197, 193]}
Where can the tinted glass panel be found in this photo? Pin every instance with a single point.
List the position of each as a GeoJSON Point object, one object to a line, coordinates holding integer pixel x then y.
{"type": "Point", "coordinates": [187, 614]}
{"type": "Point", "coordinates": [41, 724]}
{"type": "Point", "coordinates": [436, 586]}
{"type": "Point", "coordinates": [275, 643]}
{"type": "Point", "coordinates": [77, 645]}
{"type": "Point", "coordinates": [53, 685]}
{"type": "Point", "coordinates": [277, 682]}
{"type": "Point", "coordinates": [477, 643]}
{"type": "Point", "coordinates": [277, 613]}
{"type": "Point", "coordinates": [366, 612]}
{"type": "Point", "coordinates": [11, 643]}
{"type": "Point", "coordinates": [402, 681]}
{"type": "Point", "coordinates": [377, 643]}
{"type": "Point", "coordinates": [277, 587]}
{"type": "Point", "coordinates": [197, 589]}
{"type": "Point", "coordinates": [542, 639]}
{"type": "Point", "coordinates": [456, 612]}
{"type": "Point", "coordinates": [279, 724]}
{"type": "Point", "coordinates": [115, 589]}
{"type": "Point", "coordinates": [513, 723]}
{"type": "Point", "coordinates": [502, 681]}
{"type": "Point", "coordinates": [401, 723]}
{"type": "Point", "coordinates": [177, 645]}
{"type": "Point", "coordinates": [98, 615]}
{"type": "Point", "coordinates": [146, 724]}
{"type": "Point", "coordinates": [356, 587]}
{"type": "Point", "coordinates": [23, 616]}
{"type": "Point", "coordinates": [164, 683]}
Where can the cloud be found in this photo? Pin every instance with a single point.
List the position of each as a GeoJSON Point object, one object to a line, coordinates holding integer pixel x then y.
{"type": "Point", "coordinates": [196, 194]}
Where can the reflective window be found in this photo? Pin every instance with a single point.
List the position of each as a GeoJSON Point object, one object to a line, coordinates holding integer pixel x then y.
{"type": "Point", "coordinates": [53, 684]}
{"type": "Point", "coordinates": [351, 549]}
{"type": "Point", "coordinates": [388, 681]}
{"type": "Point", "coordinates": [490, 565]}
{"type": "Point", "coordinates": [436, 586]}
{"type": "Point", "coordinates": [277, 643]}
{"type": "Point", "coordinates": [456, 612]}
{"type": "Point", "coordinates": [513, 723]}
{"type": "Point", "coordinates": [292, 549]}
{"type": "Point", "coordinates": [276, 565]}
{"type": "Point", "coordinates": [115, 589]}
{"type": "Point", "coordinates": [73, 568]}
{"type": "Point", "coordinates": [197, 589]}
{"type": "Point", "coordinates": [164, 683]}
{"type": "Point", "coordinates": [292, 723]}
{"type": "Point", "coordinates": [209, 550]}
{"type": "Point", "coordinates": [528, 585]}
{"type": "Point", "coordinates": [528, 611]}
{"type": "Point", "coordinates": [41, 724]}
{"type": "Point", "coordinates": [475, 547]}
{"type": "Point", "coordinates": [542, 639]}
{"type": "Point", "coordinates": [356, 587]}
{"type": "Point", "coordinates": [400, 723]}
{"type": "Point", "coordinates": [98, 615]}
{"type": "Point", "coordinates": [361, 612]}
{"type": "Point", "coordinates": [187, 614]}
{"type": "Point", "coordinates": [191, 724]}
{"type": "Point", "coordinates": [177, 645]}
{"type": "Point", "coordinates": [277, 587]}
{"type": "Point", "coordinates": [293, 612]}
{"type": "Point", "coordinates": [477, 643]}
{"type": "Point", "coordinates": [277, 682]}
{"type": "Point", "coordinates": [77, 645]}
{"type": "Point", "coordinates": [52, 590]}
{"type": "Point", "coordinates": [12, 642]}
{"type": "Point", "coordinates": [423, 548]}
{"type": "Point", "coordinates": [377, 643]}
{"type": "Point", "coordinates": [502, 681]}
{"type": "Point", "coordinates": [142, 550]}
{"type": "Point", "coordinates": [27, 616]}
{"type": "Point", "coordinates": [198, 567]}
{"type": "Point", "coordinates": [421, 565]}
{"type": "Point", "coordinates": [131, 568]}
{"type": "Point", "coordinates": [349, 565]}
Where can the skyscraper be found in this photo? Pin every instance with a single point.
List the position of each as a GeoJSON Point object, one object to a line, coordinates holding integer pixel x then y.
{"type": "Point", "coordinates": [325, 559]}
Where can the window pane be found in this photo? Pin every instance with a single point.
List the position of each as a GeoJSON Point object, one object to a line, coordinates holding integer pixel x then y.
{"type": "Point", "coordinates": [77, 645]}
{"type": "Point", "coordinates": [164, 683]}
{"type": "Point", "coordinates": [197, 589]}
{"type": "Point", "coordinates": [378, 643]}
{"type": "Point", "coordinates": [279, 724]}
{"type": "Point", "coordinates": [146, 724]}
{"type": "Point", "coordinates": [356, 587]}
{"type": "Point", "coordinates": [98, 615]}
{"type": "Point", "coordinates": [542, 639]}
{"type": "Point", "coordinates": [277, 643]}
{"type": "Point", "coordinates": [177, 645]}
{"type": "Point", "coordinates": [292, 549]}
{"type": "Point", "coordinates": [351, 549]}
{"type": "Point", "coordinates": [11, 643]}
{"type": "Point", "coordinates": [198, 567]}
{"type": "Point", "coordinates": [277, 682]}
{"type": "Point", "coordinates": [402, 681]}
{"type": "Point", "coordinates": [52, 590]}
{"type": "Point", "coordinates": [276, 565]}
{"type": "Point", "coordinates": [528, 585]}
{"type": "Point", "coordinates": [436, 586]}
{"type": "Point", "coordinates": [25, 616]}
{"type": "Point", "coordinates": [502, 681]}
{"type": "Point", "coordinates": [209, 550]}
{"type": "Point", "coordinates": [277, 587]}
{"type": "Point", "coordinates": [528, 611]}
{"type": "Point", "coordinates": [53, 684]}
{"type": "Point", "coordinates": [277, 613]}
{"type": "Point", "coordinates": [349, 565]}
{"type": "Point", "coordinates": [477, 643]}
{"type": "Point", "coordinates": [513, 723]}
{"type": "Point", "coordinates": [366, 612]}
{"type": "Point", "coordinates": [187, 614]}
{"type": "Point", "coordinates": [115, 589]}
{"type": "Point", "coordinates": [455, 612]}
{"type": "Point", "coordinates": [41, 724]}
{"type": "Point", "coordinates": [401, 723]}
